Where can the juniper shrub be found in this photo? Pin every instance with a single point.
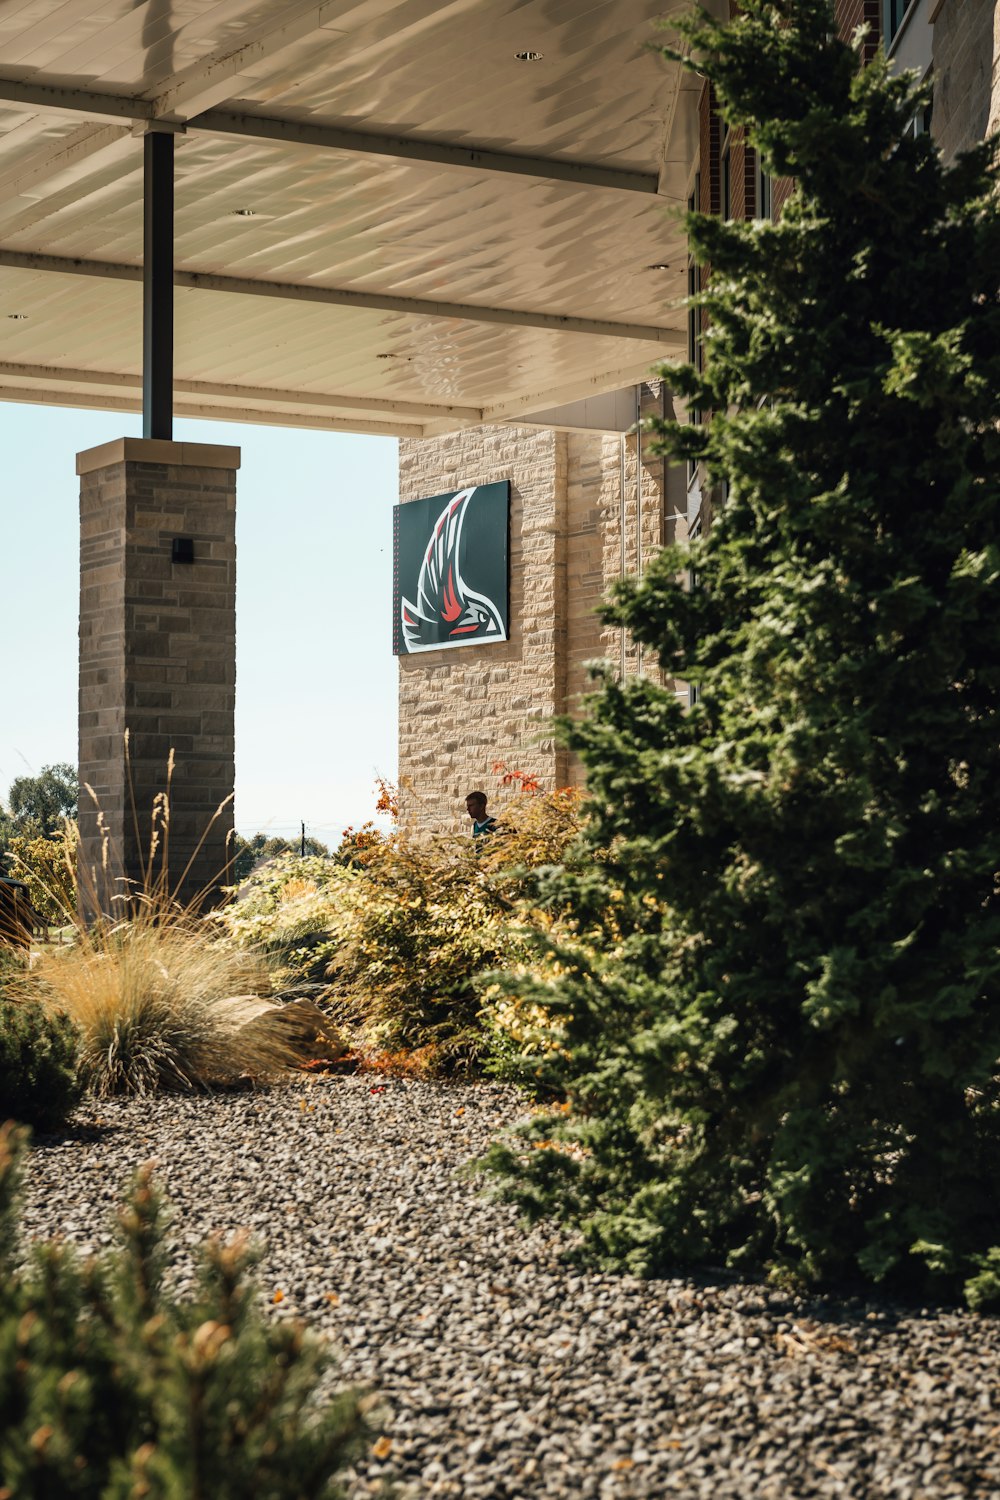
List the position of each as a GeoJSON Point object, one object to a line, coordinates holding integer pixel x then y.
{"type": "Point", "coordinates": [779, 1001]}
{"type": "Point", "coordinates": [110, 1386]}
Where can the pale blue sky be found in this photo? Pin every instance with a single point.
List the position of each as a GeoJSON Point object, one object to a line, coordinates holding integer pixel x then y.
{"type": "Point", "coordinates": [316, 679]}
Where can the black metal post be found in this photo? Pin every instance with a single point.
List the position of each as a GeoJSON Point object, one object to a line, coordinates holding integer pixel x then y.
{"type": "Point", "coordinates": [158, 287]}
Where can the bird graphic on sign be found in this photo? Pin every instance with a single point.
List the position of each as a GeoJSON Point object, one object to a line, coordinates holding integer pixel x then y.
{"type": "Point", "coordinates": [448, 612]}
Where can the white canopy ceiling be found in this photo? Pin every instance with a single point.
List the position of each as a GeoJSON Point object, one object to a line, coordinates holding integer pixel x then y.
{"type": "Point", "coordinates": [386, 221]}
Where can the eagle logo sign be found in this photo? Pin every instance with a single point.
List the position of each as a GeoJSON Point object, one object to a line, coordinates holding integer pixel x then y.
{"type": "Point", "coordinates": [447, 611]}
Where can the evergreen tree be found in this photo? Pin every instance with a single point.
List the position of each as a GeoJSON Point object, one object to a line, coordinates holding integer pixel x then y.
{"type": "Point", "coordinates": [780, 1009]}
{"type": "Point", "coordinates": [111, 1389]}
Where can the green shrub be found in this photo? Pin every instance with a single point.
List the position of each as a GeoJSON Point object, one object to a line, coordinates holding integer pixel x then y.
{"type": "Point", "coordinates": [982, 1291]}
{"type": "Point", "coordinates": [287, 912]}
{"type": "Point", "coordinates": [779, 1011]}
{"type": "Point", "coordinates": [39, 1054]}
{"type": "Point", "coordinates": [110, 1388]}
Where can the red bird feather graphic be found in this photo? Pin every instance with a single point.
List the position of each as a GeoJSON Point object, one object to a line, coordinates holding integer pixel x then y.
{"type": "Point", "coordinates": [447, 611]}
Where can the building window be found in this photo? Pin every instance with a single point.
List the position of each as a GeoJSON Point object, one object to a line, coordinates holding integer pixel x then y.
{"type": "Point", "coordinates": [725, 159]}
{"type": "Point", "coordinates": [921, 123]}
{"type": "Point", "coordinates": [893, 16]}
{"type": "Point", "coordinates": [762, 182]}
{"type": "Point", "coordinates": [696, 351]}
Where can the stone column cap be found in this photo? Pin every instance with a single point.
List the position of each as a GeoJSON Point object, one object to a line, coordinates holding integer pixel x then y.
{"type": "Point", "coordinates": [157, 451]}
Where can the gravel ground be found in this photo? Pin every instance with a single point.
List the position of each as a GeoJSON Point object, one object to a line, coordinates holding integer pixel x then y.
{"type": "Point", "coordinates": [506, 1373]}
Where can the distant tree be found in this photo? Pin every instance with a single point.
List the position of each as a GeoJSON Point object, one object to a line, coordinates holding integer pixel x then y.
{"type": "Point", "coordinates": [37, 808]}
{"type": "Point", "coordinates": [248, 853]}
{"type": "Point", "coordinates": [39, 805]}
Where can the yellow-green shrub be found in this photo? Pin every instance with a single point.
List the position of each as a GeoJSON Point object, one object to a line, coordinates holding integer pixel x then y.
{"type": "Point", "coordinates": [406, 929]}
{"type": "Point", "coordinates": [48, 868]}
{"type": "Point", "coordinates": [416, 927]}
{"type": "Point", "coordinates": [422, 923]}
{"type": "Point", "coordinates": [287, 911]}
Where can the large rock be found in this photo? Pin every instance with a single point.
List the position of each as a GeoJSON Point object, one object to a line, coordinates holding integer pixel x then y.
{"type": "Point", "coordinates": [300, 1028]}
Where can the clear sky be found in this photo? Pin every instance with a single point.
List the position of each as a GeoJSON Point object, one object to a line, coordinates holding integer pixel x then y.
{"type": "Point", "coordinates": [315, 676]}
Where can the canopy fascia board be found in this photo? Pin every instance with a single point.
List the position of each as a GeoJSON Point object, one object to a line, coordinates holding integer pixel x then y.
{"type": "Point", "coordinates": [434, 153]}
{"type": "Point", "coordinates": [419, 307]}
{"type": "Point", "coordinates": [524, 409]}
{"type": "Point", "coordinates": [55, 375]}
{"type": "Point", "coordinates": [60, 396]}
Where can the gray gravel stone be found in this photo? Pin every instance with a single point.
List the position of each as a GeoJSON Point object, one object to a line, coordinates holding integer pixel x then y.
{"type": "Point", "coordinates": [505, 1373]}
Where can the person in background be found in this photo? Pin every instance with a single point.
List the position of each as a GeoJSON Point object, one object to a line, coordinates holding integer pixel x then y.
{"type": "Point", "coordinates": [482, 824]}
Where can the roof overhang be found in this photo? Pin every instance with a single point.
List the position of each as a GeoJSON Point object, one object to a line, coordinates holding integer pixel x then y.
{"type": "Point", "coordinates": [386, 221]}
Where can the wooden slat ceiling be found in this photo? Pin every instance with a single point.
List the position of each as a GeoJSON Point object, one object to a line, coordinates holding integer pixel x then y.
{"type": "Point", "coordinates": [505, 243]}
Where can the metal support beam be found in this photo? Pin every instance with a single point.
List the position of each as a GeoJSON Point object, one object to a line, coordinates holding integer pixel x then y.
{"type": "Point", "coordinates": [666, 338]}
{"type": "Point", "coordinates": [61, 100]}
{"type": "Point", "coordinates": [434, 153]}
{"type": "Point", "coordinates": [96, 106]}
{"type": "Point", "coordinates": [158, 287]}
{"type": "Point", "coordinates": [526, 406]}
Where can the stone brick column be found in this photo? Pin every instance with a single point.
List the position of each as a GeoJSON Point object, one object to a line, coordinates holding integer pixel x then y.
{"type": "Point", "coordinates": [157, 660]}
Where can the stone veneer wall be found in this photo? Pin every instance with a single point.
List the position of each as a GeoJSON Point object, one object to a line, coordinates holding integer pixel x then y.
{"type": "Point", "coordinates": [966, 73]}
{"type": "Point", "coordinates": [157, 652]}
{"type": "Point", "coordinates": [463, 710]}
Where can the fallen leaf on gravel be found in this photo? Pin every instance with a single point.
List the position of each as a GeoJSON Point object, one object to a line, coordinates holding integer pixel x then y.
{"type": "Point", "coordinates": [331, 1297]}
{"type": "Point", "coordinates": [382, 1447]}
{"type": "Point", "coordinates": [810, 1340]}
{"type": "Point", "coordinates": [279, 1296]}
{"type": "Point", "coordinates": [622, 1463]}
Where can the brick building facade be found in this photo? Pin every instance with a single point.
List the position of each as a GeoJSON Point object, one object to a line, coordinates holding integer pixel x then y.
{"type": "Point", "coordinates": [582, 515]}
{"type": "Point", "coordinates": [579, 517]}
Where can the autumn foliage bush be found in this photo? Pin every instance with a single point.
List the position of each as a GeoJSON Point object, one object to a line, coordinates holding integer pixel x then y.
{"type": "Point", "coordinates": [406, 932]}
{"type": "Point", "coordinates": [423, 925]}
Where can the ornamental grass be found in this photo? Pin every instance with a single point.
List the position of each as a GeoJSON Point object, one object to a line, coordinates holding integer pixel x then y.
{"type": "Point", "coordinates": [158, 1006]}
{"type": "Point", "coordinates": [159, 1003]}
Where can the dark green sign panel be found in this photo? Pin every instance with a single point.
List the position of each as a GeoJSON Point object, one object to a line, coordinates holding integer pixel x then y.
{"type": "Point", "coordinates": [450, 570]}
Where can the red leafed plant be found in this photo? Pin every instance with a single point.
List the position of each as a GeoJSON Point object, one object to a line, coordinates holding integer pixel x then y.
{"type": "Point", "coordinates": [523, 780]}
{"type": "Point", "coordinates": [388, 797]}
